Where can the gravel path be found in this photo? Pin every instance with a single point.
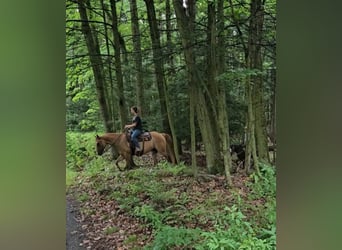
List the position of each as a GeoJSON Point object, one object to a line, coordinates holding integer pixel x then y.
{"type": "Point", "coordinates": [74, 234]}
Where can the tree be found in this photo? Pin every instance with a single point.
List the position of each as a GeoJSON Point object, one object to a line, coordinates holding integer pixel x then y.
{"type": "Point", "coordinates": [185, 21]}
{"type": "Point", "coordinates": [118, 68]}
{"type": "Point", "coordinates": [158, 60]}
{"type": "Point", "coordinates": [255, 63]}
{"type": "Point", "coordinates": [223, 123]}
{"type": "Point", "coordinates": [96, 63]}
{"type": "Point", "coordinates": [137, 55]}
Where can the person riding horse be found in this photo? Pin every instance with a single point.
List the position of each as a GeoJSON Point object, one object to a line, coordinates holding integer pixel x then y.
{"type": "Point", "coordinates": [136, 127]}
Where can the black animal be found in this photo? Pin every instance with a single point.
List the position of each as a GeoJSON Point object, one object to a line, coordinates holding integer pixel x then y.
{"type": "Point", "coordinates": [239, 150]}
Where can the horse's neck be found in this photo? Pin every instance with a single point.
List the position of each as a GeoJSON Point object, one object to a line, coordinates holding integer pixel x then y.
{"type": "Point", "coordinates": [111, 138]}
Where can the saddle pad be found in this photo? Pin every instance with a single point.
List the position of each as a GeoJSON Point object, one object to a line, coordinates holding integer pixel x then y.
{"type": "Point", "coordinates": [146, 136]}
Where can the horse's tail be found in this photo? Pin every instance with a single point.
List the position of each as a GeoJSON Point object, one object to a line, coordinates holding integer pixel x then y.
{"type": "Point", "coordinates": [170, 148]}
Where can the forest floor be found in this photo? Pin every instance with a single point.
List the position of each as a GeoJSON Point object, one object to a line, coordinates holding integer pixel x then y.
{"type": "Point", "coordinates": [140, 208]}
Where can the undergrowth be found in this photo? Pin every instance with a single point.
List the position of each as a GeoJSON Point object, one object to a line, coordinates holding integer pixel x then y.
{"type": "Point", "coordinates": [182, 213]}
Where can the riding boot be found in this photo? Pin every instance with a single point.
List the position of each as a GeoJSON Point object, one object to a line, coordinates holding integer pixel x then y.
{"type": "Point", "coordinates": [138, 150]}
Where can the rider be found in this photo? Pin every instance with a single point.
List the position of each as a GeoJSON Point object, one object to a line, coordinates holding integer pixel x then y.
{"type": "Point", "coordinates": [136, 127]}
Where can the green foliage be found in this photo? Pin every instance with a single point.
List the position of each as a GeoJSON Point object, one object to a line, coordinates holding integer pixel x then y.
{"type": "Point", "coordinates": [144, 194]}
{"type": "Point", "coordinates": [169, 237]}
{"type": "Point", "coordinates": [110, 230]}
{"type": "Point", "coordinates": [83, 197]}
{"type": "Point", "coordinates": [80, 150]}
{"type": "Point", "coordinates": [149, 215]}
{"type": "Point", "coordinates": [82, 113]}
{"type": "Point", "coordinates": [70, 177]}
{"type": "Point", "coordinates": [233, 231]}
{"type": "Point", "coordinates": [131, 239]}
{"type": "Point", "coordinates": [170, 170]}
{"type": "Point", "coordinates": [264, 184]}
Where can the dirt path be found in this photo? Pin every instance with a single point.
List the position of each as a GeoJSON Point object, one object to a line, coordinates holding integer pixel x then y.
{"type": "Point", "coordinates": [74, 234]}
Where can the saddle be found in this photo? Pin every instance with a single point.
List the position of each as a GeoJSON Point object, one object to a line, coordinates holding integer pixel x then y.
{"type": "Point", "coordinates": [145, 136]}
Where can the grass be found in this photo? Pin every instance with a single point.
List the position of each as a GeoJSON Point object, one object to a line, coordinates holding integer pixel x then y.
{"type": "Point", "coordinates": [70, 177]}
{"type": "Point", "coordinates": [110, 230]}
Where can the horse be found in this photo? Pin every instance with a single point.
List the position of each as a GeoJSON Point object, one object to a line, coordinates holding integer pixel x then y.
{"type": "Point", "coordinates": [159, 143]}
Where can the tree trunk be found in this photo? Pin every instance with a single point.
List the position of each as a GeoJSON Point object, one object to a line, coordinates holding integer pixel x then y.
{"type": "Point", "coordinates": [212, 71]}
{"type": "Point", "coordinates": [139, 85]}
{"type": "Point", "coordinates": [273, 114]}
{"type": "Point", "coordinates": [169, 36]}
{"type": "Point", "coordinates": [168, 126]}
{"type": "Point", "coordinates": [217, 125]}
{"type": "Point", "coordinates": [192, 96]}
{"type": "Point", "coordinates": [255, 63]}
{"type": "Point", "coordinates": [96, 64]}
{"type": "Point", "coordinates": [110, 89]}
{"type": "Point", "coordinates": [158, 62]}
{"type": "Point", "coordinates": [250, 131]}
{"type": "Point", "coordinates": [118, 68]}
{"type": "Point", "coordinates": [222, 108]}
{"type": "Point", "coordinates": [185, 22]}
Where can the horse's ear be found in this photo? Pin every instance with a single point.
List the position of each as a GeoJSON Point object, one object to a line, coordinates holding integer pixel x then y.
{"type": "Point", "coordinates": [97, 137]}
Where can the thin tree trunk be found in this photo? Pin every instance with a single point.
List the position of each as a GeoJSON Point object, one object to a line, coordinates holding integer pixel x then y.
{"type": "Point", "coordinates": [273, 114]}
{"type": "Point", "coordinates": [96, 63]}
{"type": "Point", "coordinates": [169, 37]}
{"type": "Point", "coordinates": [212, 71]}
{"type": "Point", "coordinates": [139, 85]}
{"type": "Point", "coordinates": [250, 140]}
{"type": "Point", "coordinates": [222, 109]}
{"type": "Point", "coordinates": [192, 95]}
{"type": "Point", "coordinates": [118, 67]}
{"type": "Point", "coordinates": [110, 88]}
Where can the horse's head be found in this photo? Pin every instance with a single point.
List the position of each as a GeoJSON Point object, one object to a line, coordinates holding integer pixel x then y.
{"type": "Point", "coordinates": [100, 145]}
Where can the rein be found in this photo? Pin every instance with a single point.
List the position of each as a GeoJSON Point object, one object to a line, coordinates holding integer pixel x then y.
{"type": "Point", "coordinates": [111, 144]}
{"type": "Point", "coordinates": [106, 148]}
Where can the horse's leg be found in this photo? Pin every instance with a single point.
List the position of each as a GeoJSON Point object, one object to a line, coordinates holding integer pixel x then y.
{"type": "Point", "coordinates": [129, 161]}
{"type": "Point", "coordinates": [169, 151]}
{"type": "Point", "coordinates": [168, 154]}
{"type": "Point", "coordinates": [172, 158]}
{"type": "Point", "coordinates": [154, 156]}
{"type": "Point", "coordinates": [119, 159]}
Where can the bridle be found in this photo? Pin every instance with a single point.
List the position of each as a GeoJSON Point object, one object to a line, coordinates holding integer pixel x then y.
{"type": "Point", "coordinates": [109, 145]}
{"type": "Point", "coordinates": [106, 148]}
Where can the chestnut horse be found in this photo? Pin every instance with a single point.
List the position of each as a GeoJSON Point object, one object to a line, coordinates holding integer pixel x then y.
{"type": "Point", "coordinates": [160, 143]}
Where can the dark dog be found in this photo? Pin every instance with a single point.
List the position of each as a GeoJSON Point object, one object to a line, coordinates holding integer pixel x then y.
{"type": "Point", "coordinates": [239, 150]}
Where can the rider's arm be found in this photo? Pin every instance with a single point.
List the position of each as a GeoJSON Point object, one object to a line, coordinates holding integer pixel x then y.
{"type": "Point", "coordinates": [131, 125]}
